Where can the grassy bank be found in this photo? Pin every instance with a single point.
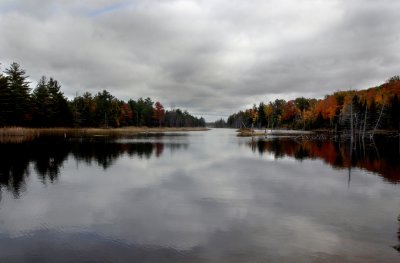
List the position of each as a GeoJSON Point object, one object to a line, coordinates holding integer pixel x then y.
{"type": "Point", "coordinates": [19, 134]}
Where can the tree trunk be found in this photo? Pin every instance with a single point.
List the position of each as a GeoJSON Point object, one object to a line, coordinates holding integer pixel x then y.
{"type": "Point", "coordinates": [351, 123]}
{"type": "Point", "coordinates": [365, 120]}
{"type": "Point", "coordinates": [380, 115]}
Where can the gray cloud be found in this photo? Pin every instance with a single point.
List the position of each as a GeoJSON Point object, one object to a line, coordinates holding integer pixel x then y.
{"type": "Point", "coordinates": [211, 57]}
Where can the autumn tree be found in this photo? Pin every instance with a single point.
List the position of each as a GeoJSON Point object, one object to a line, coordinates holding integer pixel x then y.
{"type": "Point", "coordinates": [395, 78]}
{"type": "Point", "coordinates": [289, 113]}
{"type": "Point", "coordinates": [159, 113]}
{"type": "Point", "coordinates": [126, 114]}
{"type": "Point", "coordinates": [268, 110]}
{"type": "Point", "coordinates": [364, 110]}
{"type": "Point", "coordinates": [253, 115]}
{"type": "Point", "coordinates": [302, 104]}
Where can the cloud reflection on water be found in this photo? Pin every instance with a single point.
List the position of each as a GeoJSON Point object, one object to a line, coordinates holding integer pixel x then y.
{"type": "Point", "coordinates": [214, 202]}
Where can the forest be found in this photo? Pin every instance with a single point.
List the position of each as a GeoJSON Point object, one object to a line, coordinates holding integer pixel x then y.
{"type": "Point", "coordinates": [365, 110]}
{"type": "Point", "coordinates": [46, 106]}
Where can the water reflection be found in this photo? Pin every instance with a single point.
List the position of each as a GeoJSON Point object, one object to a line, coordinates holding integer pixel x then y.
{"type": "Point", "coordinates": [76, 247]}
{"type": "Point", "coordinates": [47, 155]}
{"type": "Point", "coordinates": [397, 247]}
{"type": "Point", "coordinates": [215, 202]}
{"type": "Point", "coordinates": [380, 156]}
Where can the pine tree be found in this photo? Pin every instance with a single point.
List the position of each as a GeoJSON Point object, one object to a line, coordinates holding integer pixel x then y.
{"type": "Point", "coordinates": [261, 115]}
{"type": "Point", "coordinates": [20, 95]}
{"type": "Point", "coordinates": [5, 101]}
{"type": "Point", "coordinates": [84, 110]}
{"type": "Point", "coordinates": [41, 103]}
{"type": "Point", "coordinates": [59, 112]}
{"type": "Point", "coordinates": [107, 109]}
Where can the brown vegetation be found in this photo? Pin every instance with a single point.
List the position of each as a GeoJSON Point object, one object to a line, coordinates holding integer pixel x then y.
{"type": "Point", "coordinates": [20, 134]}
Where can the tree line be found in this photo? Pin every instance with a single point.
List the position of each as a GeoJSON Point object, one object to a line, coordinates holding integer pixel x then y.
{"type": "Point", "coordinates": [46, 106]}
{"type": "Point", "coordinates": [358, 111]}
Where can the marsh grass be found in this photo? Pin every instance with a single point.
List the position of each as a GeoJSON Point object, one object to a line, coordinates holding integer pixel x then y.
{"type": "Point", "coordinates": [17, 134]}
{"type": "Point", "coordinates": [20, 134]}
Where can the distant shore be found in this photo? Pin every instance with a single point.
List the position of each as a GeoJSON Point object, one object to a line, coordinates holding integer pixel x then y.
{"type": "Point", "coordinates": [246, 132]}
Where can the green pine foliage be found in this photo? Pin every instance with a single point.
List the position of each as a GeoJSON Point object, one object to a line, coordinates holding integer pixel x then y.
{"type": "Point", "coordinates": [19, 100]}
{"type": "Point", "coordinates": [46, 106]}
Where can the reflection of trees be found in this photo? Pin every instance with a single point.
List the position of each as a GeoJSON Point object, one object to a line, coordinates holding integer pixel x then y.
{"type": "Point", "coordinates": [105, 152]}
{"type": "Point", "coordinates": [397, 247]}
{"type": "Point", "coordinates": [381, 156]}
{"type": "Point", "coordinates": [13, 167]}
{"type": "Point", "coordinates": [47, 155]}
{"type": "Point", "coordinates": [177, 146]}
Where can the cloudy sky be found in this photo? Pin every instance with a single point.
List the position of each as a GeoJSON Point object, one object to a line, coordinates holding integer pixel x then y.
{"type": "Point", "coordinates": [212, 57]}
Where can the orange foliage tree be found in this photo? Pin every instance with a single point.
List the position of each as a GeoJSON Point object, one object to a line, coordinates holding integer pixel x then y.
{"type": "Point", "coordinates": [289, 112]}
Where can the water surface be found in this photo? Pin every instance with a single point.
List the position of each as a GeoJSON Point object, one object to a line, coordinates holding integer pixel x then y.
{"type": "Point", "coordinates": [198, 197]}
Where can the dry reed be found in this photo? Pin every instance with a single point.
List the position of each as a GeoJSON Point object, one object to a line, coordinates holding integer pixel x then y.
{"type": "Point", "coordinates": [20, 134]}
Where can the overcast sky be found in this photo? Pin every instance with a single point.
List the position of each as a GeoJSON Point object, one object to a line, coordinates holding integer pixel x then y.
{"type": "Point", "coordinates": [211, 57]}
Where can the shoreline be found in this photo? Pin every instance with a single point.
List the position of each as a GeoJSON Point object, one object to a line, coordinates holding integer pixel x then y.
{"type": "Point", "coordinates": [18, 132]}
{"type": "Point", "coordinates": [316, 132]}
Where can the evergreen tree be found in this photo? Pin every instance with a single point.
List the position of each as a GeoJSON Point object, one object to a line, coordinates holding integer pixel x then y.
{"type": "Point", "coordinates": [107, 109]}
{"type": "Point", "coordinates": [50, 107]}
{"type": "Point", "coordinates": [262, 120]}
{"type": "Point", "coordinates": [135, 112]}
{"type": "Point", "coordinates": [60, 113]}
{"type": "Point", "coordinates": [5, 101]}
{"type": "Point", "coordinates": [41, 103]}
{"type": "Point", "coordinates": [143, 109]}
{"type": "Point", "coordinates": [84, 109]}
{"type": "Point", "coordinates": [147, 113]}
{"type": "Point", "coordinates": [20, 106]}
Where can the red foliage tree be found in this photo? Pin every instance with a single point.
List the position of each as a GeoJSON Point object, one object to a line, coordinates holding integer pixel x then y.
{"type": "Point", "coordinates": [159, 113]}
{"type": "Point", "coordinates": [289, 111]}
{"type": "Point", "coordinates": [126, 114]}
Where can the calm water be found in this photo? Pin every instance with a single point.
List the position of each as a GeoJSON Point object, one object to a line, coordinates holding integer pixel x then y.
{"type": "Point", "coordinates": [198, 197]}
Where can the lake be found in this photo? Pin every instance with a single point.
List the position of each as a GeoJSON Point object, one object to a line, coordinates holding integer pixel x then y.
{"type": "Point", "coordinates": [205, 196]}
